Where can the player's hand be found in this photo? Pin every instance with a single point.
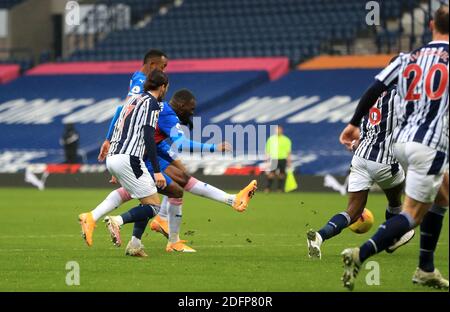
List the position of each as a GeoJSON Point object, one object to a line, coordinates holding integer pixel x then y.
{"type": "Point", "coordinates": [113, 180]}
{"type": "Point", "coordinates": [160, 181]}
{"type": "Point", "coordinates": [103, 151]}
{"type": "Point", "coordinates": [348, 135]}
{"type": "Point", "coordinates": [355, 145]}
{"type": "Point", "coordinates": [224, 147]}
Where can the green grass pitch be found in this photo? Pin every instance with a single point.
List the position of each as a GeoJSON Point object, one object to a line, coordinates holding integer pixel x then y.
{"type": "Point", "coordinates": [263, 249]}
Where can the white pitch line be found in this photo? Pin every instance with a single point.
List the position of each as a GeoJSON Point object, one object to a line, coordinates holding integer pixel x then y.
{"type": "Point", "coordinates": [249, 245]}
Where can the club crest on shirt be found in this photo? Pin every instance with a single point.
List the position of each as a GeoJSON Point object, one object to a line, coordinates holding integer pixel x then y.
{"type": "Point", "coordinates": [374, 116]}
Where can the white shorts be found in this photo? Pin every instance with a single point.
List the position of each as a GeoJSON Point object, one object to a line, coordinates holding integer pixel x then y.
{"type": "Point", "coordinates": [424, 168]}
{"type": "Point", "coordinates": [132, 174]}
{"type": "Point", "coordinates": [364, 173]}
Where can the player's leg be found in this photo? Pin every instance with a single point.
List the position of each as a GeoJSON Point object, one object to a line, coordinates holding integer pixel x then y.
{"type": "Point", "coordinates": [281, 174]}
{"type": "Point", "coordinates": [160, 222]}
{"type": "Point", "coordinates": [174, 194]}
{"type": "Point", "coordinates": [88, 220]}
{"type": "Point", "coordinates": [356, 203]}
{"type": "Point", "coordinates": [237, 201]}
{"type": "Point", "coordinates": [360, 182]}
{"type": "Point", "coordinates": [112, 201]}
{"type": "Point", "coordinates": [430, 229]}
{"type": "Point", "coordinates": [394, 208]}
{"type": "Point", "coordinates": [270, 177]}
{"type": "Point", "coordinates": [391, 179]}
{"type": "Point", "coordinates": [136, 179]}
{"type": "Point", "coordinates": [423, 179]}
{"type": "Point", "coordinates": [178, 172]}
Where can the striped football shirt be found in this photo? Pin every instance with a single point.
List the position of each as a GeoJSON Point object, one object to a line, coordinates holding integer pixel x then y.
{"type": "Point", "coordinates": [377, 129]}
{"type": "Point", "coordinates": [422, 83]}
{"type": "Point", "coordinates": [128, 135]}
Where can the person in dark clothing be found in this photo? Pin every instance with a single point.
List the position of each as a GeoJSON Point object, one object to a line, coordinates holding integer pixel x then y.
{"type": "Point", "coordinates": [70, 141]}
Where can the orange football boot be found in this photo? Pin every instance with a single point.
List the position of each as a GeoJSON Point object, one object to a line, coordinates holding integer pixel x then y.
{"type": "Point", "coordinates": [87, 227]}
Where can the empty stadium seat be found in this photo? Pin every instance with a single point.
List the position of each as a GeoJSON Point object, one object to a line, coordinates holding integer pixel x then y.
{"type": "Point", "coordinates": [234, 28]}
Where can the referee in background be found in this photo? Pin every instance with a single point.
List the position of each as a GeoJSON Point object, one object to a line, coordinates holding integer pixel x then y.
{"type": "Point", "coordinates": [278, 153]}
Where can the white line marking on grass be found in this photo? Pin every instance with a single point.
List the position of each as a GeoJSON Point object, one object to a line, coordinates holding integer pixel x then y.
{"type": "Point", "coordinates": [150, 247]}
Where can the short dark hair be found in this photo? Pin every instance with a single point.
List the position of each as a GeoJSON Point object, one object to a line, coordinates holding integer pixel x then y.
{"type": "Point", "coordinates": [182, 96]}
{"type": "Point", "coordinates": [441, 19]}
{"type": "Point", "coordinates": [156, 79]}
{"type": "Point", "coordinates": [392, 60]}
{"type": "Point", "coordinates": [153, 53]}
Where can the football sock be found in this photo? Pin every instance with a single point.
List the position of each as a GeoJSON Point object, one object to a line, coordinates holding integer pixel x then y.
{"type": "Point", "coordinates": [200, 188]}
{"type": "Point", "coordinates": [139, 213]}
{"type": "Point", "coordinates": [430, 229]}
{"type": "Point", "coordinates": [175, 215]}
{"type": "Point", "coordinates": [111, 202]}
{"type": "Point", "coordinates": [387, 234]}
{"type": "Point", "coordinates": [164, 208]}
{"type": "Point", "coordinates": [336, 224]}
{"type": "Point", "coordinates": [392, 211]}
{"type": "Point", "coordinates": [136, 242]}
{"type": "Point", "coordinates": [139, 228]}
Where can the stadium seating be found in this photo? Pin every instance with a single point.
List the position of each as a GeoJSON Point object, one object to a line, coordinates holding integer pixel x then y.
{"type": "Point", "coordinates": [7, 4]}
{"type": "Point", "coordinates": [139, 8]}
{"type": "Point", "coordinates": [298, 29]}
{"type": "Point", "coordinates": [93, 98]}
{"type": "Point", "coordinates": [312, 105]}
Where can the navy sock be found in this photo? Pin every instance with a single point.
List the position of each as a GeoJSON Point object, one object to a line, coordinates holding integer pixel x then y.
{"type": "Point", "coordinates": [139, 228]}
{"type": "Point", "coordinates": [430, 229]}
{"type": "Point", "coordinates": [386, 235]}
{"type": "Point", "coordinates": [392, 211]}
{"type": "Point", "coordinates": [336, 224]}
{"type": "Point", "coordinates": [139, 213]}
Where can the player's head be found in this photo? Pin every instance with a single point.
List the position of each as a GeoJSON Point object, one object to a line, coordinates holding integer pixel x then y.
{"type": "Point", "coordinates": [158, 83]}
{"type": "Point", "coordinates": [392, 60]}
{"type": "Point", "coordinates": [439, 23]}
{"type": "Point", "coordinates": [183, 103]}
{"type": "Point", "coordinates": [279, 130]}
{"type": "Point", "coordinates": [155, 59]}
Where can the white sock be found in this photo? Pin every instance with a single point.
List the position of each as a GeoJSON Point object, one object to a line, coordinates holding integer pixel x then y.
{"type": "Point", "coordinates": [163, 210]}
{"type": "Point", "coordinates": [175, 215]}
{"type": "Point", "coordinates": [136, 242]}
{"type": "Point", "coordinates": [118, 220]}
{"type": "Point", "coordinates": [200, 188]}
{"type": "Point", "coordinates": [111, 202]}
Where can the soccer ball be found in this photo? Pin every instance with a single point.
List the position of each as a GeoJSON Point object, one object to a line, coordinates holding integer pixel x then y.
{"type": "Point", "coordinates": [364, 222]}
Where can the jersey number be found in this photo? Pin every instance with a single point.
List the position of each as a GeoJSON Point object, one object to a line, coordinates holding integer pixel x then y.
{"type": "Point", "coordinates": [128, 112]}
{"type": "Point", "coordinates": [429, 79]}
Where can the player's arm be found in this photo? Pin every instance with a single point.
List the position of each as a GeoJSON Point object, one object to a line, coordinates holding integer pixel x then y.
{"type": "Point", "coordinates": [172, 129]}
{"type": "Point", "coordinates": [383, 80]}
{"type": "Point", "coordinates": [105, 146]}
{"type": "Point", "coordinates": [351, 132]}
{"type": "Point", "coordinates": [183, 143]}
{"type": "Point", "coordinates": [150, 144]}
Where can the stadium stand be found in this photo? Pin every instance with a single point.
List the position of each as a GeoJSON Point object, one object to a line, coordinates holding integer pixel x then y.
{"type": "Point", "coordinates": [139, 8]}
{"type": "Point", "coordinates": [8, 72]}
{"type": "Point", "coordinates": [303, 101]}
{"type": "Point", "coordinates": [7, 4]}
{"type": "Point", "coordinates": [234, 28]}
{"type": "Point", "coordinates": [89, 100]}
